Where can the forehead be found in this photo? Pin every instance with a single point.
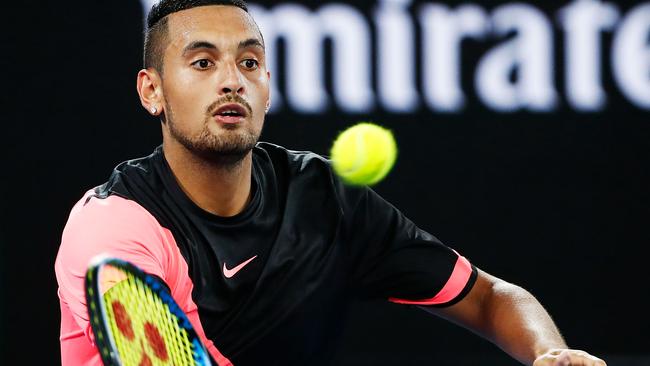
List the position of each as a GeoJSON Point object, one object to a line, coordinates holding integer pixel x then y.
{"type": "Point", "coordinates": [216, 23]}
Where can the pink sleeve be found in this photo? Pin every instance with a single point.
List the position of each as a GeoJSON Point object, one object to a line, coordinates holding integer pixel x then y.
{"type": "Point", "coordinates": [113, 226]}
{"type": "Point", "coordinates": [457, 281]}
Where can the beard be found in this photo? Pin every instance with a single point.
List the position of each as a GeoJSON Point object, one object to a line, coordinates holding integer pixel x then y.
{"type": "Point", "coordinates": [226, 150]}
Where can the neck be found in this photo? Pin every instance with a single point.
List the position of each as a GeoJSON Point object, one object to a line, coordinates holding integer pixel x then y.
{"type": "Point", "coordinates": [218, 189]}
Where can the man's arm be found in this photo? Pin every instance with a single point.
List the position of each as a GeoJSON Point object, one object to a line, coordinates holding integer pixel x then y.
{"type": "Point", "coordinates": [112, 226]}
{"type": "Point", "coordinates": [514, 320]}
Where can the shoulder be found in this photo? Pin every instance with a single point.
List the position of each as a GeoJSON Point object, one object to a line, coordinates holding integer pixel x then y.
{"type": "Point", "coordinates": [295, 160]}
{"type": "Point", "coordinates": [99, 210]}
{"type": "Point", "coordinates": [133, 175]}
{"type": "Point", "coordinates": [115, 226]}
{"type": "Point", "coordinates": [310, 172]}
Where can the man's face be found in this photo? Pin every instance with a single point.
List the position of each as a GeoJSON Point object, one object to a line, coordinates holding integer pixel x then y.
{"type": "Point", "coordinates": [215, 82]}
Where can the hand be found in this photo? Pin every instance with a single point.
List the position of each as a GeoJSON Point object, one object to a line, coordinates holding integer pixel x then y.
{"type": "Point", "coordinates": [568, 357]}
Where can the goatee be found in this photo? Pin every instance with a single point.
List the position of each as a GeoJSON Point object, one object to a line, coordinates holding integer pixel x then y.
{"type": "Point", "coordinates": [225, 151]}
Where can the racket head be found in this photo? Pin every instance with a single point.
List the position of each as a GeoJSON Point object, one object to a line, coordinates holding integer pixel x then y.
{"type": "Point", "coordinates": [136, 321]}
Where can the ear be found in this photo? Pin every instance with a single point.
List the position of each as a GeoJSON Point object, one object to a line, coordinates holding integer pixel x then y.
{"type": "Point", "coordinates": [268, 101]}
{"type": "Point", "coordinates": [149, 87]}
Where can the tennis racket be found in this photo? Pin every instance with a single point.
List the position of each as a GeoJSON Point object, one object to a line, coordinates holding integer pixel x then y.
{"type": "Point", "coordinates": [136, 321]}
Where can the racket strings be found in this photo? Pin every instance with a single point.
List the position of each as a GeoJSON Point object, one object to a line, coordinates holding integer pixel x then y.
{"type": "Point", "coordinates": [144, 330]}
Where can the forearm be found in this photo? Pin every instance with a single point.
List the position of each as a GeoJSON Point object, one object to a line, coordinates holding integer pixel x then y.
{"type": "Point", "coordinates": [508, 316]}
{"type": "Point", "coordinates": [515, 321]}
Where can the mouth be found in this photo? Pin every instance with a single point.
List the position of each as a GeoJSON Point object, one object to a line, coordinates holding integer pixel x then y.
{"type": "Point", "coordinates": [231, 113]}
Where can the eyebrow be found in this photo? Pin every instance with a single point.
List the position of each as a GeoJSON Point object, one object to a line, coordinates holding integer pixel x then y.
{"type": "Point", "coordinates": [251, 42]}
{"type": "Point", "coordinates": [196, 45]}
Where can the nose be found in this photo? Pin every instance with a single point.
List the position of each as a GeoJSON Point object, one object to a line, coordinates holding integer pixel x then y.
{"type": "Point", "coordinates": [232, 80]}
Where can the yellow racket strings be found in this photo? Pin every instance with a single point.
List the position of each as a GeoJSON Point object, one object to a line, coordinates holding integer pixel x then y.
{"type": "Point", "coordinates": [144, 330]}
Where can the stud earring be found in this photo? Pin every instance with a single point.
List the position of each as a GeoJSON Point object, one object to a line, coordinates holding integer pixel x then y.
{"type": "Point", "coordinates": [154, 110]}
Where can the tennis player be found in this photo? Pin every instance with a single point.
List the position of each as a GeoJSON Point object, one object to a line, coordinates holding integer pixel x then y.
{"type": "Point", "coordinates": [261, 246]}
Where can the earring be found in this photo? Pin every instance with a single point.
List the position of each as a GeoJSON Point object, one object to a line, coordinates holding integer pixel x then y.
{"type": "Point", "coordinates": [154, 110]}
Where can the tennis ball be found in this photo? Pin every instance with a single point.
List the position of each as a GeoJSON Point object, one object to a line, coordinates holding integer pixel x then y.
{"type": "Point", "coordinates": [363, 154]}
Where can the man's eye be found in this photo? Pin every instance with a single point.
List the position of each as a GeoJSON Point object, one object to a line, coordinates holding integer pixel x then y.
{"type": "Point", "coordinates": [202, 64]}
{"type": "Point", "coordinates": [250, 64]}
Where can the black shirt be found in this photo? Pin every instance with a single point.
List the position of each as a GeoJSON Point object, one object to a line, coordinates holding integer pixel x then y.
{"type": "Point", "coordinates": [317, 245]}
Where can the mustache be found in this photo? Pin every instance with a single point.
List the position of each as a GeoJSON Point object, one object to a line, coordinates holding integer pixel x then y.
{"type": "Point", "coordinates": [229, 99]}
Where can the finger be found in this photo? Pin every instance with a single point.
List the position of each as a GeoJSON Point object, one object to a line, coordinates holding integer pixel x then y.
{"type": "Point", "coordinates": [563, 359]}
{"type": "Point", "coordinates": [578, 358]}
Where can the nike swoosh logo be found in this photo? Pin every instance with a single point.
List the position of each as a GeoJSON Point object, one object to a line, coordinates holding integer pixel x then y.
{"type": "Point", "coordinates": [228, 273]}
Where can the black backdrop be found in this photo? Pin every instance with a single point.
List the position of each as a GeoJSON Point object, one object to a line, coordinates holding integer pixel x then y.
{"type": "Point", "coordinates": [556, 202]}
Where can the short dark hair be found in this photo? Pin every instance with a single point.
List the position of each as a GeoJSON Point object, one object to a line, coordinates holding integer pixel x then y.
{"type": "Point", "coordinates": [157, 27]}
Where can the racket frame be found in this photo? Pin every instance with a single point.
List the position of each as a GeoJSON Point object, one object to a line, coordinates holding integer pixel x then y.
{"type": "Point", "coordinates": [99, 321]}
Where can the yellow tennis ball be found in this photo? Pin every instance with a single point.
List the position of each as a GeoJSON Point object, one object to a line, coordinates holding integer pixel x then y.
{"type": "Point", "coordinates": [363, 154]}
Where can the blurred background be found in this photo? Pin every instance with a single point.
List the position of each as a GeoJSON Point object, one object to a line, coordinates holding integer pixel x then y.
{"type": "Point", "coordinates": [523, 132]}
